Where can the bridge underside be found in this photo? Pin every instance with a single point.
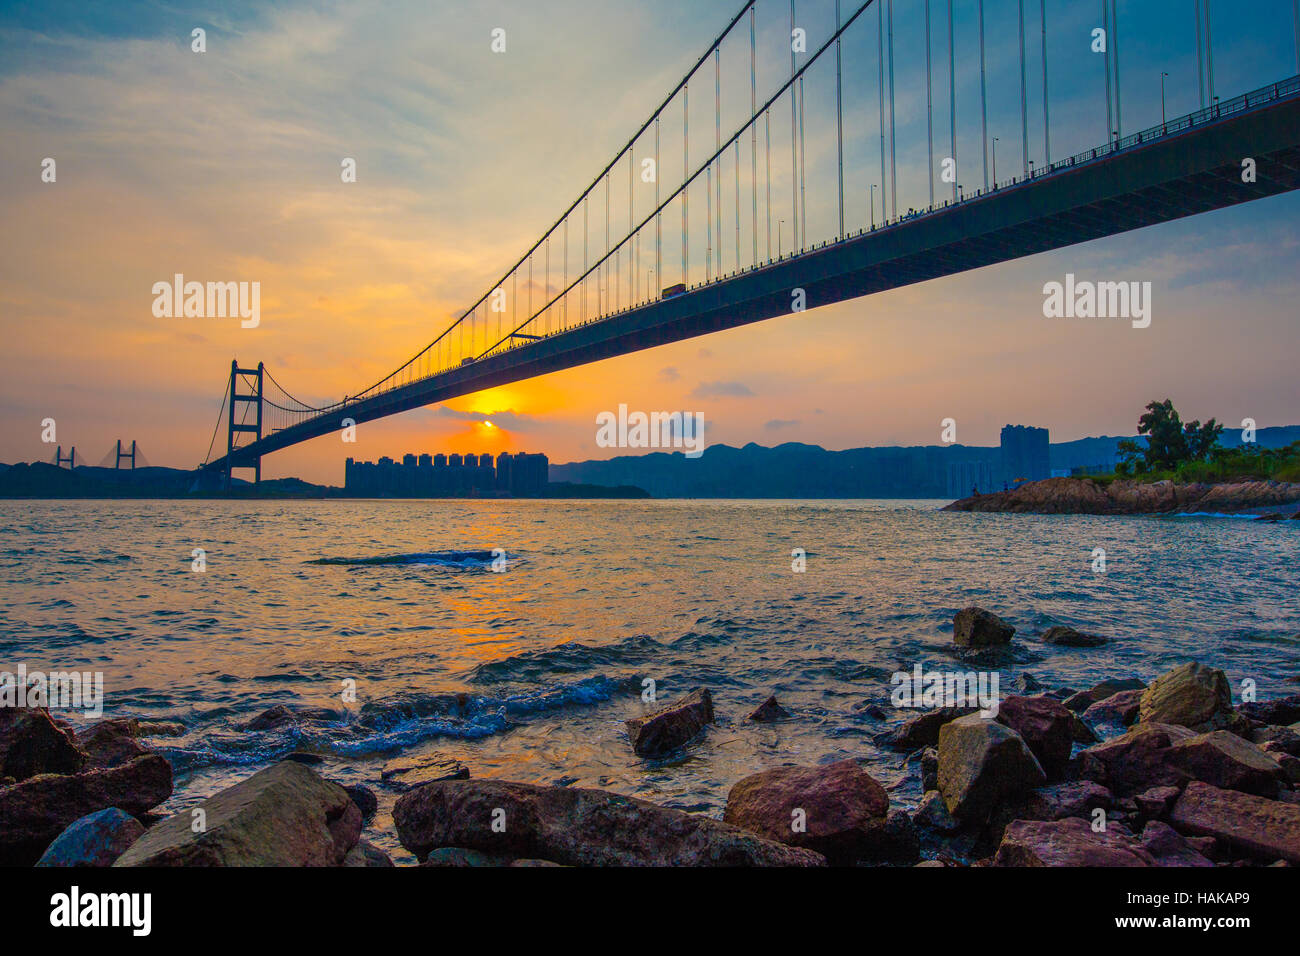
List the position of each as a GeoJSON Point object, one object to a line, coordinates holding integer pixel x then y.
{"type": "Point", "coordinates": [1169, 178]}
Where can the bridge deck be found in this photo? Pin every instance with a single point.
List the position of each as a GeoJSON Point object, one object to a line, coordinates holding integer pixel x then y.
{"type": "Point", "coordinates": [1194, 170]}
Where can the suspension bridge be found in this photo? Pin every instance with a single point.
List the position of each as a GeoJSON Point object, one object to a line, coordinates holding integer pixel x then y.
{"type": "Point", "coordinates": [614, 273]}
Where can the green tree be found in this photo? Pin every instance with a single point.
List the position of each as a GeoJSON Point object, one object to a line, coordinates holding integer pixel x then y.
{"type": "Point", "coordinates": [1201, 439]}
{"type": "Point", "coordinates": [1166, 441]}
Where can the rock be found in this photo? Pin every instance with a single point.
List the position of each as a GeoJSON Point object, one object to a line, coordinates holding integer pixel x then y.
{"type": "Point", "coordinates": [455, 856]}
{"type": "Point", "coordinates": [1080, 732]}
{"type": "Point", "coordinates": [1132, 496]}
{"type": "Point", "coordinates": [1069, 637]}
{"type": "Point", "coordinates": [305, 758]}
{"type": "Point", "coordinates": [284, 815]}
{"type": "Point", "coordinates": [1283, 711]}
{"type": "Point", "coordinates": [1075, 798]}
{"type": "Point", "coordinates": [36, 810]}
{"type": "Point", "coordinates": [1068, 842]}
{"type": "Point", "coordinates": [524, 862]}
{"type": "Point", "coordinates": [929, 769]}
{"type": "Point", "coordinates": [1265, 829]}
{"type": "Point", "coordinates": [1026, 684]}
{"type": "Point", "coordinates": [1157, 801]}
{"type": "Point", "coordinates": [982, 763]}
{"type": "Point", "coordinates": [870, 710]}
{"type": "Point", "coordinates": [673, 726]}
{"type": "Point", "coordinates": [365, 800]}
{"type": "Point", "coordinates": [839, 807]}
{"type": "Point", "coordinates": [1135, 761]}
{"type": "Point", "coordinates": [1169, 847]}
{"type": "Point", "coordinates": [894, 840]}
{"type": "Point", "coordinates": [768, 711]}
{"type": "Point", "coordinates": [1044, 725]}
{"type": "Point", "coordinates": [1086, 698]}
{"type": "Point", "coordinates": [159, 728]}
{"type": "Point", "coordinates": [406, 772]}
{"type": "Point", "coordinates": [367, 855]}
{"type": "Point", "coordinates": [1290, 766]}
{"type": "Point", "coordinates": [1225, 760]}
{"type": "Point", "coordinates": [576, 827]}
{"type": "Point", "coordinates": [933, 813]}
{"type": "Point", "coordinates": [280, 716]}
{"type": "Point", "coordinates": [31, 743]}
{"type": "Point", "coordinates": [95, 840]}
{"type": "Point", "coordinates": [923, 729]}
{"type": "Point", "coordinates": [1277, 739]}
{"type": "Point", "coordinates": [1117, 710]}
{"type": "Point", "coordinates": [1191, 695]}
{"type": "Point", "coordinates": [976, 627]}
{"type": "Point", "coordinates": [111, 743]}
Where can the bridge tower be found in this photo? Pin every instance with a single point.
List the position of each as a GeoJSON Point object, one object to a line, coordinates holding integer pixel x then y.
{"type": "Point", "coordinates": [123, 455]}
{"type": "Point", "coordinates": [71, 459]}
{"type": "Point", "coordinates": [247, 378]}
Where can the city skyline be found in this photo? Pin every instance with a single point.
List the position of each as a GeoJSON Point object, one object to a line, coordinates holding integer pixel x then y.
{"type": "Point", "coordinates": [167, 166]}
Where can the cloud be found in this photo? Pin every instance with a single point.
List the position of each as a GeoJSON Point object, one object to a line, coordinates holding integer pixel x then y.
{"type": "Point", "coordinates": [778, 423]}
{"type": "Point", "coordinates": [721, 390]}
{"type": "Point", "coordinates": [669, 374]}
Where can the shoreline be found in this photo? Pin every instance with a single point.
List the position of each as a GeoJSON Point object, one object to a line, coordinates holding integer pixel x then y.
{"type": "Point", "coordinates": [1134, 497]}
{"type": "Point", "coordinates": [1175, 772]}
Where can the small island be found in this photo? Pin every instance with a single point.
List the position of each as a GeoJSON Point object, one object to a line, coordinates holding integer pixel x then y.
{"type": "Point", "coordinates": [1182, 469]}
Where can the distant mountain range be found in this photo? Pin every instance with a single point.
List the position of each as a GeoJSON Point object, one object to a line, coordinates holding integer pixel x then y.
{"type": "Point", "coordinates": [795, 470]}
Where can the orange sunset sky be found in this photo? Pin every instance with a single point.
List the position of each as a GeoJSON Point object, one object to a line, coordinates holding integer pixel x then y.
{"type": "Point", "coordinates": [225, 166]}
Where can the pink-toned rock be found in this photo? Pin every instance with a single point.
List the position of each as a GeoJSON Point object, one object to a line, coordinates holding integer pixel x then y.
{"type": "Point", "coordinates": [1044, 725]}
{"type": "Point", "coordinates": [768, 712]}
{"type": "Point", "coordinates": [1135, 761]}
{"type": "Point", "coordinates": [1169, 847]}
{"type": "Point", "coordinates": [31, 743]}
{"type": "Point", "coordinates": [1068, 842]}
{"type": "Point", "coordinates": [1191, 695]}
{"type": "Point", "coordinates": [836, 810]}
{"type": "Point", "coordinates": [576, 827]}
{"type": "Point", "coordinates": [673, 726]}
{"type": "Point", "coordinates": [1120, 710]}
{"type": "Point", "coordinates": [1266, 829]}
{"type": "Point", "coordinates": [1225, 760]}
{"type": "Point", "coordinates": [36, 810]}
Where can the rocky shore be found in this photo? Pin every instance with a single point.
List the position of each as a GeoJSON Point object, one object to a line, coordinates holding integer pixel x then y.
{"type": "Point", "coordinates": [1269, 499]}
{"type": "Point", "coordinates": [1124, 773]}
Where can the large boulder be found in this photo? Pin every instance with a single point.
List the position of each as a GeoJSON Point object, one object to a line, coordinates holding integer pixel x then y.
{"type": "Point", "coordinates": [95, 840]}
{"type": "Point", "coordinates": [981, 764]}
{"type": "Point", "coordinates": [976, 627]}
{"type": "Point", "coordinates": [1225, 760]}
{"type": "Point", "coordinates": [576, 827]}
{"type": "Point", "coordinates": [111, 743]}
{"type": "Point", "coordinates": [1045, 726]}
{"type": "Point", "coordinates": [284, 815]}
{"type": "Point", "coordinates": [923, 729]}
{"type": "Point", "coordinates": [1117, 710]}
{"type": "Point", "coordinates": [837, 809]}
{"type": "Point", "coordinates": [1268, 830]}
{"type": "Point", "coordinates": [1068, 842]}
{"type": "Point", "coordinates": [1073, 798]}
{"type": "Point", "coordinates": [31, 743]}
{"type": "Point", "coordinates": [673, 726]}
{"type": "Point", "coordinates": [1191, 695]}
{"type": "Point", "coordinates": [404, 773]}
{"type": "Point", "coordinates": [1135, 762]}
{"type": "Point", "coordinates": [36, 810]}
